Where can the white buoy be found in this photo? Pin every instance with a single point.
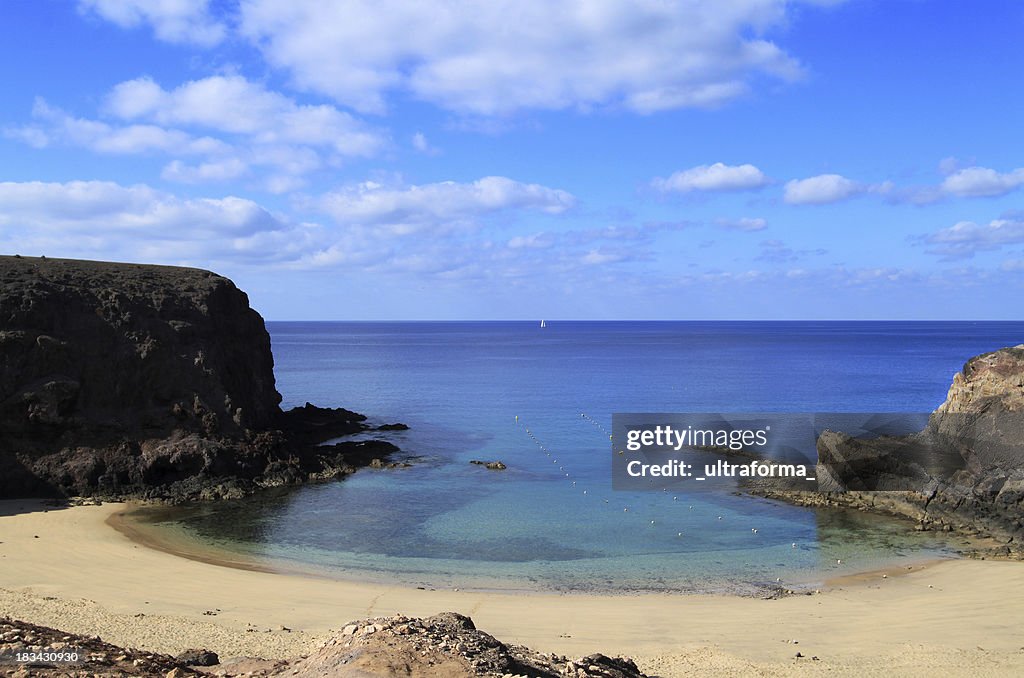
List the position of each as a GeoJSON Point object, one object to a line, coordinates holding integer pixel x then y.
{"type": "Point", "coordinates": [652, 522]}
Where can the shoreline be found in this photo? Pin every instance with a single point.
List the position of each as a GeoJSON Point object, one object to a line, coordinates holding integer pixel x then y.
{"type": "Point", "coordinates": [68, 568]}
{"type": "Point", "coordinates": [127, 523]}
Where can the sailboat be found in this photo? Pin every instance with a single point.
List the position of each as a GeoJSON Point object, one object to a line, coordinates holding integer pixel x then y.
{"type": "Point", "coordinates": [543, 324]}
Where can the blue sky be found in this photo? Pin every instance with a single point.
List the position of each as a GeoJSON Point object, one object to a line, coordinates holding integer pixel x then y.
{"type": "Point", "coordinates": [740, 159]}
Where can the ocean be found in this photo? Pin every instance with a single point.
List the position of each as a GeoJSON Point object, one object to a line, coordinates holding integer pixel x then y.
{"type": "Point", "coordinates": [551, 521]}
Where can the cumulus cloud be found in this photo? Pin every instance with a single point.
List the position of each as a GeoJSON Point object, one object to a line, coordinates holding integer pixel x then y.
{"type": "Point", "coordinates": [975, 182]}
{"type": "Point", "coordinates": [53, 126]}
{"type": "Point", "coordinates": [88, 205]}
{"type": "Point", "coordinates": [966, 238]}
{"type": "Point", "coordinates": [497, 57]}
{"type": "Point", "coordinates": [822, 189]}
{"type": "Point", "coordinates": [100, 219]}
{"type": "Point", "coordinates": [447, 204]}
{"type": "Point", "coordinates": [176, 21]}
{"type": "Point", "coordinates": [743, 224]}
{"type": "Point", "coordinates": [232, 124]}
{"type": "Point", "coordinates": [716, 177]}
{"type": "Point", "coordinates": [234, 105]}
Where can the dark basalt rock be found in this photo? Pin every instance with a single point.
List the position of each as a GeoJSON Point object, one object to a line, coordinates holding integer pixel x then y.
{"type": "Point", "coordinates": [197, 657]}
{"type": "Point", "coordinates": [963, 473]}
{"type": "Point", "coordinates": [492, 465]}
{"type": "Point", "coordinates": [124, 380]}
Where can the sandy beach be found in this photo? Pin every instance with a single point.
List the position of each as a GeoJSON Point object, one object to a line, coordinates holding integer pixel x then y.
{"type": "Point", "coordinates": [68, 568]}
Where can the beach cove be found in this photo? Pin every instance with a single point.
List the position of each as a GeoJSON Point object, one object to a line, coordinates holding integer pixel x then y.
{"type": "Point", "coordinates": [68, 568]}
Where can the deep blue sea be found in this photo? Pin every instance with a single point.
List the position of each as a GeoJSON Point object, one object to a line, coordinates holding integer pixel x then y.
{"type": "Point", "coordinates": [460, 387]}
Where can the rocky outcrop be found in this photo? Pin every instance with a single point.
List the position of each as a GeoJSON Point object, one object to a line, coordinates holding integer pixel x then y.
{"type": "Point", "coordinates": [91, 656]}
{"type": "Point", "coordinates": [964, 472]}
{"type": "Point", "coordinates": [447, 645]}
{"type": "Point", "coordinates": [149, 381]}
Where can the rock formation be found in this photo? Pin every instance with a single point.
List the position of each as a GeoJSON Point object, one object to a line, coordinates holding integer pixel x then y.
{"type": "Point", "coordinates": [447, 645]}
{"type": "Point", "coordinates": [964, 472]}
{"type": "Point", "coordinates": [156, 381]}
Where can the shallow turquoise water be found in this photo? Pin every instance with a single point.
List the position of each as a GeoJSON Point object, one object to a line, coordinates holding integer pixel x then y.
{"type": "Point", "coordinates": [460, 386]}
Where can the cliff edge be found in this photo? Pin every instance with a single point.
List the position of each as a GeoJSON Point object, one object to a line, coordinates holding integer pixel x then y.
{"type": "Point", "coordinates": [156, 381]}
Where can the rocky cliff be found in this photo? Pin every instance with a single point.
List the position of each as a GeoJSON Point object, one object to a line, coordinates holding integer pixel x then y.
{"type": "Point", "coordinates": [963, 473]}
{"type": "Point", "coordinates": [125, 379]}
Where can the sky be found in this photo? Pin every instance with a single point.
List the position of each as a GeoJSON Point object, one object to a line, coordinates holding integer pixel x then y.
{"type": "Point", "coordinates": [523, 159]}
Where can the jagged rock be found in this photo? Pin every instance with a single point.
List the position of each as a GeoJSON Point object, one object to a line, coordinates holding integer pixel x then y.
{"type": "Point", "coordinates": [196, 657]}
{"type": "Point", "coordinates": [124, 380]}
{"type": "Point", "coordinates": [964, 472]}
{"type": "Point", "coordinates": [492, 465]}
{"type": "Point", "coordinates": [95, 656]}
{"type": "Point", "coordinates": [447, 644]}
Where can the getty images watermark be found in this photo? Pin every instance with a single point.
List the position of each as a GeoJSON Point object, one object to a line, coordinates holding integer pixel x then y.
{"type": "Point", "coordinates": [658, 451]}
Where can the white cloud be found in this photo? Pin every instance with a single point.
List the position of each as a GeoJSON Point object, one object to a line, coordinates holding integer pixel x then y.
{"type": "Point", "coordinates": [234, 105]}
{"type": "Point", "coordinates": [420, 143]}
{"type": "Point", "coordinates": [533, 241]}
{"type": "Point", "coordinates": [966, 238]}
{"type": "Point", "coordinates": [176, 21]}
{"type": "Point", "coordinates": [822, 189]}
{"type": "Point", "coordinates": [251, 127]}
{"type": "Point", "coordinates": [974, 182]}
{"type": "Point", "coordinates": [716, 177]}
{"type": "Point", "coordinates": [105, 220]}
{"type": "Point", "coordinates": [497, 57]}
{"type": "Point", "coordinates": [405, 209]}
{"type": "Point", "coordinates": [103, 206]}
{"type": "Point", "coordinates": [54, 126]}
{"type": "Point", "coordinates": [214, 170]}
{"type": "Point", "coordinates": [599, 257]}
{"type": "Point", "coordinates": [743, 223]}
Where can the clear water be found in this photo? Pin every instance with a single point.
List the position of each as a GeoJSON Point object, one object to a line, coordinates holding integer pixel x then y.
{"type": "Point", "coordinates": [460, 386]}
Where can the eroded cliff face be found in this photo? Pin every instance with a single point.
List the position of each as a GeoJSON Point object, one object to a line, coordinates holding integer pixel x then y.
{"type": "Point", "coordinates": [964, 472]}
{"type": "Point", "coordinates": [125, 379]}
{"type": "Point", "coordinates": [88, 346]}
